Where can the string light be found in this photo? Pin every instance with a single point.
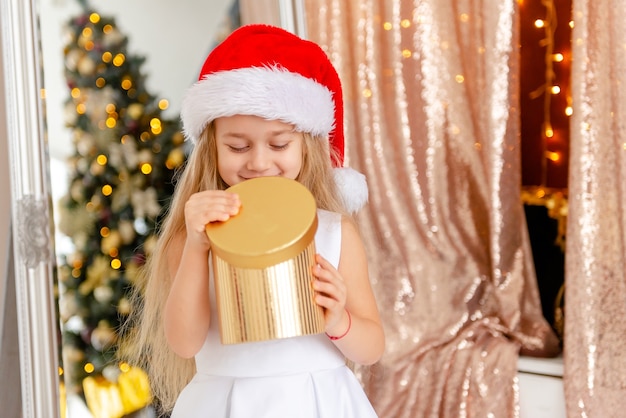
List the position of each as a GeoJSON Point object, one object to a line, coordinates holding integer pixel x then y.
{"type": "Point", "coordinates": [549, 88]}
{"type": "Point", "coordinates": [554, 90]}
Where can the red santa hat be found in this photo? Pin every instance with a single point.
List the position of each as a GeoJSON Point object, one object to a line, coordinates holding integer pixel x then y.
{"type": "Point", "coordinates": [269, 72]}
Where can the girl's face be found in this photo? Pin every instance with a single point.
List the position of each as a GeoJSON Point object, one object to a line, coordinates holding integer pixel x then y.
{"type": "Point", "coordinates": [250, 146]}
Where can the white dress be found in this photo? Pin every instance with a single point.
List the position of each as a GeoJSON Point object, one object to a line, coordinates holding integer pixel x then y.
{"type": "Point", "coordinates": [300, 377]}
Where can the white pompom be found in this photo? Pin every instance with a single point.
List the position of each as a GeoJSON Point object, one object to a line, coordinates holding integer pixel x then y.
{"type": "Point", "coordinates": [352, 187]}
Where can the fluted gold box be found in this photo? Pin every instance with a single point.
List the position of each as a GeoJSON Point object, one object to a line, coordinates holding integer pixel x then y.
{"type": "Point", "coordinates": [262, 262]}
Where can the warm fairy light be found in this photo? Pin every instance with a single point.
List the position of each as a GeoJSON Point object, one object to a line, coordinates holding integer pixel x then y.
{"type": "Point", "coordinates": [89, 45]}
{"type": "Point", "coordinates": [144, 136]}
{"type": "Point", "coordinates": [459, 78]}
{"type": "Point", "coordinates": [539, 23]}
{"type": "Point", "coordinates": [558, 57]}
{"type": "Point", "coordinates": [387, 26]}
{"type": "Point", "coordinates": [101, 159]}
{"type": "Point", "coordinates": [164, 104]}
{"type": "Point", "coordinates": [107, 190]}
{"type": "Point", "coordinates": [107, 28]}
{"type": "Point", "coordinates": [367, 93]}
{"type": "Point", "coordinates": [105, 232]}
{"type": "Point", "coordinates": [87, 32]}
{"type": "Point", "coordinates": [60, 371]}
{"type": "Point", "coordinates": [81, 108]}
{"type": "Point", "coordinates": [119, 60]}
{"type": "Point", "coordinates": [146, 168]}
{"type": "Point", "coordinates": [107, 57]}
{"type": "Point", "coordinates": [406, 53]}
{"type": "Point", "coordinates": [110, 108]}
{"type": "Point", "coordinates": [111, 122]}
{"type": "Point", "coordinates": [116, 264]}
{"type": "Point", "coordinates": [571, 24]}
{"type": "Point", "coordinates": [100, 82]}
{"type": "Point", "coordinates": [155, 124]}
{"type": "Point", "coordinates": [569, 110]}
{"type": "Point", "coordinates": [94, 18]}
{"type": "Point", "coordinates": [553, 156]}
{"type": "Point", "coordinates": [89, 368]}
{"type": "Point", "coordinates": [75, 93]}
{"type": "Point", "coordinates": [124, 367]}
{"type": "Point", "coordinates": [548, 132]}
{"type": "Point", "coordinates": [114, 252]}
{"type": "Point", "coordinates": [555, 90]}
{"type": "Point", "coordinates": [405, 23]}
{"type": "Point", "coordinates": [126, 84]}
{"type": "Point", "coordinates": [464, 17]}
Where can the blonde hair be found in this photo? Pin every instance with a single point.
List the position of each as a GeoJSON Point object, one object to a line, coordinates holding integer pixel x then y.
{"type": "Point", "coordinates": [145, 344]}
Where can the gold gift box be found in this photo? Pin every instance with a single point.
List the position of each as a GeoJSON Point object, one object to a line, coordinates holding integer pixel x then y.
{"type": "Point", "coordinates": [262, 263]}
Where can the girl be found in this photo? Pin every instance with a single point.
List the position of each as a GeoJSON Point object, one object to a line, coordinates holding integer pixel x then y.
{"type": "Point", "coordinates": [267, 103]}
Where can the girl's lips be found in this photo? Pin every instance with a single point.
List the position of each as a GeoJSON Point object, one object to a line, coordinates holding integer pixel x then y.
{"type": "Point", "coordinates": [256, 177]}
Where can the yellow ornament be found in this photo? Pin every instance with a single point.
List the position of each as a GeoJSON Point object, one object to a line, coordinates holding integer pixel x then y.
{"type": "Point", "coordinates": [103, 397]}
{"type": "Point", "coordinates": [134, 389]}
{"type": "Point", "coordinates": [135, 110]}
{"type": "Point", "coordinates": [175, 158]}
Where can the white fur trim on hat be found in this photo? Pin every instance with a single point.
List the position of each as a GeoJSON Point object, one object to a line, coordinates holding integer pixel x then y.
{"type": "Point", "coordinates": [352, 187]}
{"type": "Point", "coordinates": [269, 92]}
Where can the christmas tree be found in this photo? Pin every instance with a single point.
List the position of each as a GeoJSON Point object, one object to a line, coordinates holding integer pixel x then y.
{"type": "Point", "coordinates": [126, 155]}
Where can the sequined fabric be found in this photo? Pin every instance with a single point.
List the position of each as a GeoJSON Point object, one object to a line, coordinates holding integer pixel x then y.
{"type": "Point", "coordinates": [595, 357]}
{"type": "Point", "coordinates": [431, 91]}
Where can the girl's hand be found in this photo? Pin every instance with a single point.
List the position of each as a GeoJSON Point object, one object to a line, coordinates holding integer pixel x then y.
{"type": "Point", "coordinates": [331, 295]}
{"type": "Point", "coordinates": [205, 207]}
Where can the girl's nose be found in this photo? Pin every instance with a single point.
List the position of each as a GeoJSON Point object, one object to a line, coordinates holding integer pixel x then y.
{"type": "Point", "coordinates": [259, 160]}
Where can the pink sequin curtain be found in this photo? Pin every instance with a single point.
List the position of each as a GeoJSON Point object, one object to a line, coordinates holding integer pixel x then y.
{"type": "Point", "coordinates": [432, 120]}
{"type": "Point", "coordinates": [595, 329]}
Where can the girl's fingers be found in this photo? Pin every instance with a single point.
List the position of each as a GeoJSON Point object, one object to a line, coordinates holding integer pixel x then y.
{"type": "Point", "coordinates": [330, 291]}
{"type": "Point", "coordinates": [205, 207]}
{"type": "Point", "coordinates": [328, 303]}
{"type": "Point", "coordinates": [326, 265]}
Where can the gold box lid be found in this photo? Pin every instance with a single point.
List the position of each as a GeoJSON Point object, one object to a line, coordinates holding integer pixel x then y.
{"type": "Point", "coordinates": [276, 222]}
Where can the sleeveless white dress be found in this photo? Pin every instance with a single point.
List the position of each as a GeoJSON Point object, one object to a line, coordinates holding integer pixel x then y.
{"type": "Point", "coordinates": [299, 377]}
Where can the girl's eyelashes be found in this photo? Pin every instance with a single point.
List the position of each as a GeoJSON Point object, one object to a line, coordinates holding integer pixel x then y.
{"type": "Point", "coordinates": [234, 148]}
{"type": "Point", "coordinates": [244, 148]}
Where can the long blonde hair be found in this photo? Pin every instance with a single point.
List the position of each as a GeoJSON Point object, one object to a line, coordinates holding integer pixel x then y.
{"type": "Point", "coordinates": [145, 344]}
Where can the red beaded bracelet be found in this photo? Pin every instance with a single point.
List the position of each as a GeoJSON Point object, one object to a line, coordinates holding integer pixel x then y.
{"type": "Point", "coordinates": [347, 331]}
